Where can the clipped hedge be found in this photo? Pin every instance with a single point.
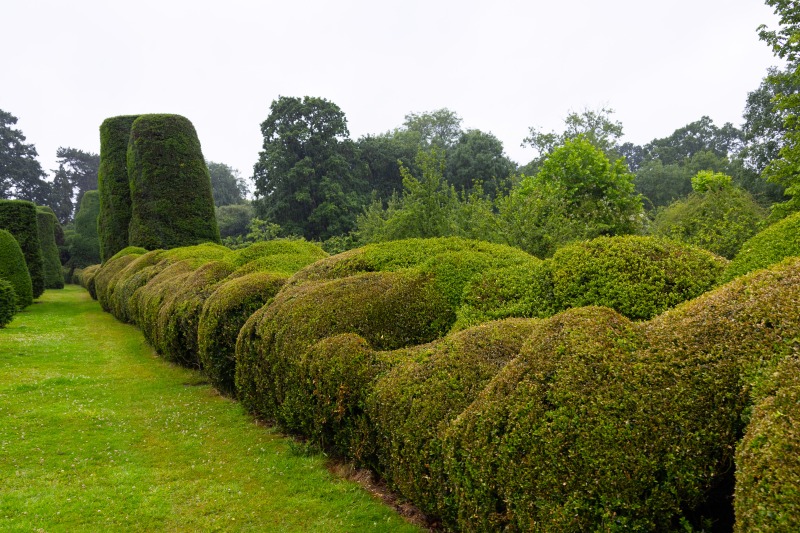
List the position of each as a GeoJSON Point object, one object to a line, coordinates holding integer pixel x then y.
{"type": "Point", "coordinates": [171, 200]}
{"type": "Point", "coordinates": [47, 223]}
{"type": "Point", "coordinates": [136, 274]}
{"type": "Point", "coordinates": [112, 182]}
{"type": "Point", "coordinates": [770, 246]}
{"type": "Point", "coordinates": [223, 315]}
{"type": "Point", "coordinates": [388, 309]}
{"type": "Point", "coordinates": [107, 276]}
{"type": "Point", "coordinates": [639, 277]}
{"type": "Point", "coordinates": [86, 279]}
{"type": "Point", "coordinates": [768, 457]}
{"type": "Point", "coordinates": [8, 302]}
{"type": "Point", "coordinates": [413, 405]}
{"type": "Point", "coordinates": [18, 217]}
{"type": "Point", "coordinates": [14, 270]}
{"type": "Point", "coordinates": [604, 424]}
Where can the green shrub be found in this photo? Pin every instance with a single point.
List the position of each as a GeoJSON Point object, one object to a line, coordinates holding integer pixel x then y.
{"type": "Point", "coordinates": [84, 244]}
{"type": "Point", "coordinates": [107, 277]}
{"type": "Point", "coordinates": [412, 405]}
{"type": "Point", "coordinates": [639, 277]}
{"type": "Point", "coordinates": [603, 424]}
{"type": "Point", "coordinates": [86, 279]}
{"type": "Point", "coordinates": [766, 248]}
{"type": "Point", "coordinates": [14, 270]}
{"type": "Point", "coordinates": [223, 315]}
{"type": "Point", "coordinates": [179, 315]}
{"type": "Point", "coordinates": [112, 182]}
{"type": "Point", "coordinates": [718, 220]}
{"type": "Point", "coordinates": [388, 309]}
{"type": "Point", "coordinates": [8, 302]}
{"type": "Point", "coordinates": [136, 274]}
{"type": "Point", "coordinates": [171, 199]}
{"type": "Point", "coordinates": [18, 217]}
{"type": "Point", "coordinates": [768, 458]}
{"type": "Point", "coordinates": [46, 223]}
{"type": "Point", "coordinates": [147, 299]}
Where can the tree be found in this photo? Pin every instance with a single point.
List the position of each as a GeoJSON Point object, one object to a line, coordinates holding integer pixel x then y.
{"type": "Point", "coordinates": [61, 196]}
{"type": "Point", "coordinates": [227, 186]}
{"type": "Point", "coordinates": [699, 136]}
{"type": "Point", "coordinates": [440, 128]}
{"type": "Point", "coordinates": [84, 243]}
{"type": "Point", "coordinates": [596, 127]}
{"type": "Point", "coordinates": [21, 175]}
{"type": "Point", "coordinates": [478, 157]}
{"type": "Point", "coordinates": [381, 155]}
{"type": "Point", "coordinates": [234, 219]}
{"type": "Point", "coordinates": [81, 169]}
{"type": "Point", "coordinates": [305, 177]}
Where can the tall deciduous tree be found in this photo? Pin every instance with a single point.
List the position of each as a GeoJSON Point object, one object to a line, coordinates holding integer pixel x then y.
{"type": "Point", "coordinates": [305, 178]}
{"type": "Point", "coordinates": [81, 169]}
{"type": "Point", "coordinates": [227, 186]}
{"type": "Point", "coordinates": [434, 129]}
{"type": "Point", "coordinates": [21, 175]}
{"type": "Point", "coordinates": [478, 157]}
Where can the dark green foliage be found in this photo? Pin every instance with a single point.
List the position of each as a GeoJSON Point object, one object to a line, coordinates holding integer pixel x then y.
{"type": "Point", "coordinates": [639, 277]}
{"type": "Point", "coordinates": [223, 315]}
{"type": "Point", "coordinates": [227, 186]}
{"type": "Point", "coordinates": [84, 244]}
{"type": "Point", "coordinates": [234, 220]}
{"type": "Point", "coordinates": [770, 246]}
{"type": "Point", "coordinates": [717, 220]}
{"type": "Point", "coordinates": [767, 458]}
{"type": "Point", "coordinates": [171, 201]}
{"type": "Point", "coordinates": [14, 270]}
{"type": "Point", "coordinates": [8, 302]}
{"type": "Point", "coordinates": [413, 404]}
{"type": "Point", "coordinates": [388, 309]}
{"type": "Point", "coordinates": [112, 180]}
{"type": "Point", "coordinates": [18, 217]}
{"type": "Point", "coordinates": [21, 175]}
{"type": "Point", "coordinates": [47, 222]}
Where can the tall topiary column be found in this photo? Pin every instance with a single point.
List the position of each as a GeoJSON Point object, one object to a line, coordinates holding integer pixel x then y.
{"type": "Point", "coordinates": [84, 244]}
{"type": "Point", "coordinates": [47, 222]}
{"type": "Point", "coordinates": [171, 201]}
{"type": "Point", "coordinates": [19, 218]}
{"type": "Point", "coordinates": [14, 270]}
{"type": "Point", "coordinates": [112, 180]}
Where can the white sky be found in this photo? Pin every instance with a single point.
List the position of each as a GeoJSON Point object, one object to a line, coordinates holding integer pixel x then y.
{"type": "Point", "coordinates": [502, 65]}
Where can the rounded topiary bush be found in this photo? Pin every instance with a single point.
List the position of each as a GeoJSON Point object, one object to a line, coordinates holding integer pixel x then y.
{"type": "Point", "coordinates": [388, 309]}
{"type": "Point", "coordinates": [768, 458]}
{"type": "Point", "coordinates": [639, 277]}
{"type": "Point", "coordinates": [136, 274]}
{"type": "Point", "coordinates": [770, 246]}
{"type": "Point", "coordinates": [112, 182]}
{"type": "Point", "coordinates": [148, 299]}
{"type": "Point", "coordinates": [171, 200]}
{"type": "Point", "coordinates": [46, 223]}
{"type": "Point", "coordinates": [14, 270]}
{"type": "Point", "coordinates": [414, 403]}
{"type": "Point", "coordinates": [18, 217]}
{"type": "Point", "coordinates": [86, 279]}
{"type": "Point", "coordinates": [223, 315]}
{"type": "Point", "coordinates": [8, 302]}
{"type": "Point", "coordinates": [107, 276]}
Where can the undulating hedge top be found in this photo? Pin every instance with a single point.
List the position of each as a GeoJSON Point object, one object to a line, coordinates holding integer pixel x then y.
{"type": "Point", "coordinates": [112, 182]}
{"type": "Point", "coordinates": [86, 278]}
{"type": "Point", "coordinates": [47, 222]}
{"type": "Point", "coordinates": [8, 302]}
{"type": "Point", "coordinates": [18, 217]}
{"type": "Point", "coordinates": [770, 246]}
{"type": "Point", "coordinates": [278, 256]}
{"type": "Point", "coordinates": [171, 199]}
{"type": "Point", "coordinates": [14, 269]}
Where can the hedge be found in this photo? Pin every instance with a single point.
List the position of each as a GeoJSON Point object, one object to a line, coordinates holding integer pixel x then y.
{"type": "Point", "coordinates": [8, 302]}
{"type": "Point", "coordinates": [768, 458]}
{"type": "Point", "coordinates": [601, 423]}
{"type": "Point", "coordinates": [112, 182]}
{"type": "Point", "coordinates": [388, 309]}
{"type": "Point", "coordinates": [107, 276]}
{"type": "Point", "coordinates": [223, 315]}
{"type": "Point", "coordinates": [86, 279]}
{"type": "Point", "coordinates": [18, 217]}
{"type": "Point", "coordinates": [46, 224]}
{"type": "Point", "coordinates": [14, 270]}
{"type": "Point", "coordinates": [770, 246]}
{"type": "Point", "coordinates": [171, 200]}
{"type": "Point", "coordinates": [136, 274]}
{"type": "Point", "coordinates": [84, 244]}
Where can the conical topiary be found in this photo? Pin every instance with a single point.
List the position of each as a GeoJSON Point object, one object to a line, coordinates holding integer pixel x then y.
{"type": "Point", "coordinates": [19, 218]}
{"type": "Point", "coordinates": [14, 270]}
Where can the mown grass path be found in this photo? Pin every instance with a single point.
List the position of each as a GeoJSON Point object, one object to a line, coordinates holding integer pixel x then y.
{"type": "Point", "coordinates": [97, 433]}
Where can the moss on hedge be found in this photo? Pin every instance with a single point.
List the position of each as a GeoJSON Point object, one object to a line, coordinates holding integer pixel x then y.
{"type": "Point", "coordinates": [223, 315]}
{"type": "Point", "coordinates": [171, 200]}
{"type": "Point", "coordinates": [148, 299]}
{"type": "Point", "coordinates": [136, 274]}
{"type": "Point", "coordinates": [14, 270]}
{"type": "Point", "coordinates": [413, 405]}
{"type": "Point", "coordinates": [388, 309]}
{"type": "Point", "coordinates": [112, 181]}
{"type": "Point", "coordinates": [8, 302]}
{"type": "Point", "coordinates": [86, 279]}
{"type": "Point", "coordinates": [18, 217]}
{"type": "Point", "coordinates": [107, 276]}
{"type": "Point", "coordinates": [770, 246]}
{"type": "Point", "coordinates": [51, 260]}
{"type": "Point", "coordinates": [768, 457]}
{"type": "Point", "coordinates": [639, 277]}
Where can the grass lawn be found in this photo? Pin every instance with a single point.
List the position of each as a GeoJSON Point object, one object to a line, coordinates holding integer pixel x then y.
{"type": "Point", "coordinates": [97, 433]}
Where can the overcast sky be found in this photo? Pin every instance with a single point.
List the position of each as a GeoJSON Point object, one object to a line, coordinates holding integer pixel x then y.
{"type": "Point", "coordinates": [502, 65]}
